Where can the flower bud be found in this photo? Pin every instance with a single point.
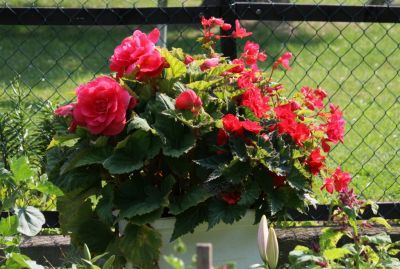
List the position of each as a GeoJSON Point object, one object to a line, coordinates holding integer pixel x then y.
{"type": "Point", "coordinates": [263, 238]}
{"type": "Point", "coordinates": [272, 249]}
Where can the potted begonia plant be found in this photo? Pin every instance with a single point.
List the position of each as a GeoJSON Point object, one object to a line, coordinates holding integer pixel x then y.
{"type": "Point", "coordinates": [199, 137]}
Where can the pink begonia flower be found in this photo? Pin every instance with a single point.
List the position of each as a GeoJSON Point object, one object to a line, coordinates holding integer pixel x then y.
{"type": "Point", "coordinates": [208, 63]}
{"type": "Point", "coordinates": [252, 53]}
{"type": "Point", "coordinates": [64, 111]}
{"type": "Point", "coordinates": [101, 106]}
{"type": "Point", "coordinates": [239, 31]}
{"type": "Point", "coordinates": [283, 60]}
{"type": "Point", "coordinates": [339, 181]}
{"type": "Point", "coordinates": [138, 56]}
{"type": "Point", "coordinates": [188, 59]}
{"type": "Point", "coordinates": [188, 100]}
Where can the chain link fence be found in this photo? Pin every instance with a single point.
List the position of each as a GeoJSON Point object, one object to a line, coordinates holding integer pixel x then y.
{"type": "Point", "coordinates": [41, 64]}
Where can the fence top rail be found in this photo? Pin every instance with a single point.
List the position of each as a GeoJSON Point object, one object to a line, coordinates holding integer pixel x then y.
{"type": "Point", "coordinates": [191, 15]}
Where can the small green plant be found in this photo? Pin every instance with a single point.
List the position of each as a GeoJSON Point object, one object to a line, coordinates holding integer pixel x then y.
{"type": "Point", "coordinates": [176, 262]}
{"type": "Point", "coordinates": [362, 252]}
{"type": "Point", "coordinates": [18, 185]}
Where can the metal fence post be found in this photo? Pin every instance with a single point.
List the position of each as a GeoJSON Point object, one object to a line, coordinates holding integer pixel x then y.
{"type": "Point", "coordinates": [228, 45]}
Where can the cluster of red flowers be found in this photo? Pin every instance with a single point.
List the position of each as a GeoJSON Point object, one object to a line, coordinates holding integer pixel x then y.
{"type": "Point", "coordinates": [102, 104]}
{"type": "Point", "coordinates": [264, 102]}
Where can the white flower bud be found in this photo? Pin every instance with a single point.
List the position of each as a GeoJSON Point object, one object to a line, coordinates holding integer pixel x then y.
{"type": "Point", "coordinates": [263, 238]}
{"type": "Point", "coordinates": [272, 249]}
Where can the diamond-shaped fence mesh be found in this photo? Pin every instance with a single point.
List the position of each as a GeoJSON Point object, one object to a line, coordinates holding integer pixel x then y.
{"type": "Point", "coordinates": [356, 62]}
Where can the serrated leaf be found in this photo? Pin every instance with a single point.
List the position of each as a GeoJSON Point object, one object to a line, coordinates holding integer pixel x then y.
{"type": "Point", "coordinates": [30, 220]}
{"type": "Point", "coordinates": [105, 205]}
{"type": "Point", "coordinates": [141, 246]}
{"type": "Point", "coordinates": [177, 139]}
{"type": "Point", "coordinates": [86, 156]}
{"type": "Point", "coordinates": [189, 219]}
{"type": "Point", "coordinates": [238, 147]}
{"type": "Point", "coordinates": [219, 69]}
{"type": "Point", "coordinates": [176, 67]}
{"type": "Point", "coordinates": [297, 178]}
{"type": "Point", "coordinates": [250, 195]}
{"type": "Point", "coordinates": [141, 197]}
{"type": "Point", "coordinates": [77, 179]}
{"type": "Point", "coordinates": [139, 147]}
{"type": "Point", "coordinates": [236, 171]}
{"type": "Point", "coordinates": [219, 210]}
{"type": "Point", "coordinates": [203, 85]}
{"type": "Point", "coordinates": [212, 162]}
{"type": "Point", "coordinates": [276, 203]}
{"type": "Point", "coordinates": [192, 198]}
{"type": "Point", "coordinates": [138, 123]}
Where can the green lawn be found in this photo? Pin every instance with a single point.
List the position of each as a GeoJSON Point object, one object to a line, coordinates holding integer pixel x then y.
{"type": "Point", "coordinates": [356, 63]}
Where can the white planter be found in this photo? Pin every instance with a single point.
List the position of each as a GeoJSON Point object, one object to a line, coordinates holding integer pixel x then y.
{"type": "Point", "coordinates": [231, 243]}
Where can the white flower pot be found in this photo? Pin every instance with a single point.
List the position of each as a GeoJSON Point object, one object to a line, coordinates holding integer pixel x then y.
{"type": "Point", "coordinates": [231, 243]}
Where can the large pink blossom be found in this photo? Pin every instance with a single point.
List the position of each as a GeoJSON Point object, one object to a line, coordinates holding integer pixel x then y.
{"type": "Point", "coordinates": [137, 56]}
{"type": "Point", "coordinates": [101, 107]}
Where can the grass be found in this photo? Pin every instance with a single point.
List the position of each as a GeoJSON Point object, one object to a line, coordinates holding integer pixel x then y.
{"type": "Point", "coordinates": [356, 63]}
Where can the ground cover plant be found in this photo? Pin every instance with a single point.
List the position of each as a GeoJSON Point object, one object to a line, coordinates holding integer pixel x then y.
{"type": "Point", "coordinates": [200, 136]}
{"type": "Point", "coordinates": [356, 62]}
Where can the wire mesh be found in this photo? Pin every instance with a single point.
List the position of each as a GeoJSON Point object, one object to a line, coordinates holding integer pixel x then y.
{"type": "Point", "coordinates": [357, 63]}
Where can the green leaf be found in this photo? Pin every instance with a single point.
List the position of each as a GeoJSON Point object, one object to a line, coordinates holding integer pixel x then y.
{"type": "Point", "coordinates": [141, 197]}
{"type": "Point", "coordinates": [221, 211]}
{"type": "Point", "coordinates": [21, 170]}
{"type": "Point", "coordinates": [176, 67]}
{"type": "Point", "coordinates": [236, 171]}
{"type": "Point", "coordinates": [139, 147]}
{"type": "Point", "coordinates": [203, 85]}
{"type": "Point", "coordinates": [189, 219]}
{"type": "Point", "coordinates": [298, 178]}
{"type": "Point", "coordinates": [105, 205]}
{"type": "Point", "coordinates": [77, 179]}
{"type": "Point", "coordinates": [138, 123]}
{"type": "Point", "coordinates": [175, 262]}
{"type": "Point", "coordinates": [250, 195]}
{"type": "Point", "coordinates": [381, 221]}
{"type": "Point", "coordinates": [219, 69]}
{"type": "Point", "coordinates": [177, 139]}
{"type": "Point", "coordinates": [187, 200]}
{"type": "Point", "coordinates": [141, 246]}
{"type": "Point", "coordinates": [238, 147]}
{"type": "Point", "coordinates": [335, 253]}
{"type": "Point", "coordinates": [86, 156]}
{"type": "Point", "coordinates": [94, 233]}
{"type": "Point", "coordinates": [377, 239]}
{"type": "Point", "coordinates": [30, 220]}
{"type": "Point", "coordinates": [276, 203]}
{"type": "Point", "coordinates": [109, 263]}
{"type": "Point", "coordinates": [49, 188]}
{"type": "Point", "coordinates": [86, 252]}
{"type": "Point", "coordinates": [65, 140]}
{"type": "Point", "coordinates": [8, 226]}
{"type": "Point", "coordinates": [329, 238]}
{"type": "Point", "coordinates": [212, 162]}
